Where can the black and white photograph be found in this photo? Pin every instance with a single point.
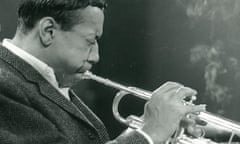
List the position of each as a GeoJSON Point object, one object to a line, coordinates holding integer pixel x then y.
{"type": "Point", "coordinates": [119, 71]}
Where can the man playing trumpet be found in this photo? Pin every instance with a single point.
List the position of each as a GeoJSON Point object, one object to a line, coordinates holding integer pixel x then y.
{"type": "Point", "coordinates": [57, 39]}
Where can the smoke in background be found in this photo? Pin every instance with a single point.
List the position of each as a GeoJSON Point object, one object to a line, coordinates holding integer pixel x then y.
{"type": "Point", "coordinates": [219, 55]}
{"type": "Point", "coordinates": [0, 28]}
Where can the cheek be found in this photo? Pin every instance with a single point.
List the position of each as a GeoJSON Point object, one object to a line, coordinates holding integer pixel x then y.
{"type": "Point", "coordinates": [73, 52]}
{"type": "Point", "coordinates": [77, 55]}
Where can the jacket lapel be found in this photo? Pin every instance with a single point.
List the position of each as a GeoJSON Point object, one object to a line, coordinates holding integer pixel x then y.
{"type": "Point", "coordinates": [46, 88]}
{"type": "Point", "coordinates": [51, 93]}
{"type": "Point", "coordinates": [99, 126]}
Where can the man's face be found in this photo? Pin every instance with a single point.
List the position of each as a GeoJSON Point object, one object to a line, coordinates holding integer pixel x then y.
{"type": "Point", "coordinates": [76, 50]}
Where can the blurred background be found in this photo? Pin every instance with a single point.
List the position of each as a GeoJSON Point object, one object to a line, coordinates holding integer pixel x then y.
{"type": "Point", "coordinates": [149, 42]}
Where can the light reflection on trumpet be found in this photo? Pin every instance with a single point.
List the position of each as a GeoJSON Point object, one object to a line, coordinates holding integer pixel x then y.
{"type": "Point", "coordinates": [135, 122]}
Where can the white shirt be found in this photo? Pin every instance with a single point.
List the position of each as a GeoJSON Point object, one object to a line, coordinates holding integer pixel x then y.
{"type": "Point", "coordinates": [48, 73]}
{"type": "Point", "coordinates": [45, 70]}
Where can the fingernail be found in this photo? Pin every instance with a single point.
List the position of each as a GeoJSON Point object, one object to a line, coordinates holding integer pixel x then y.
{"type": "Point", "coordinates": [201, 122]}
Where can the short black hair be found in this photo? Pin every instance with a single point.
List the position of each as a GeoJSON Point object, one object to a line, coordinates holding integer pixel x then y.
{"type": "Point", "coordinates": [63, 11]}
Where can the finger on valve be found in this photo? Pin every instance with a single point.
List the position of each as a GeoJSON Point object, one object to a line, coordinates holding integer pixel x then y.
{"type": "Point", "coordinates": [193, 125]}
{"type": "Point", "coordinates": [164, 111]}
{"type": "Point", "coordinates": [166, 87]}
{"type": "Point", "coordinates": [186, 93]}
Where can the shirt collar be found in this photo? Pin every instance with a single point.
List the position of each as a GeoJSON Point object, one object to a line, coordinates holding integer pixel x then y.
{"type": "Point", "coordinates": [39, 65]}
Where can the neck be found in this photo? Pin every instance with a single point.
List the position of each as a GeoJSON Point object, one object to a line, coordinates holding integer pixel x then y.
{"type": "Point", "coordinates": [31, 44]}
{"type": "Point", "coordinates": [26, 42]}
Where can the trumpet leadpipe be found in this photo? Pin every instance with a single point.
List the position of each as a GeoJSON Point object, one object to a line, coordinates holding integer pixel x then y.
{"type": "Point", "coordinates": [146, 95]}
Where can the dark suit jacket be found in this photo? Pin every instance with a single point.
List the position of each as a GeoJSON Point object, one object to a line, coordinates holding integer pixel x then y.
{"type": "Point", "coordinates": [32, 111]}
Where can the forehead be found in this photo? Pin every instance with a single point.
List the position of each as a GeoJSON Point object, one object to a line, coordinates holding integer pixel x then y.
{"type": "Point", "coordinates": [91, 21]}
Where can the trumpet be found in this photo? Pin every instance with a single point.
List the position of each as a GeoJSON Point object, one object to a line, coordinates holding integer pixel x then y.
{"type": "Point", "coordinates": [136, 122]}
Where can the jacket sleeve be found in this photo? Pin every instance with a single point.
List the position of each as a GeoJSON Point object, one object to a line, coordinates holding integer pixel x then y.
{"type": "Point", "coordinates": [130, 137]}
{"type": "Point", "coordinates": [21, 124]}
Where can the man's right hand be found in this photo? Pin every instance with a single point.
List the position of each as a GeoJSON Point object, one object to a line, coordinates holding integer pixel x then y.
{"type": "Point", "coordinates": [166, 109]}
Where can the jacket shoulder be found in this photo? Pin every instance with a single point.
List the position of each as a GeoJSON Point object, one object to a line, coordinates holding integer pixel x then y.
{"type": "Point", "coordinates": [12, 83]}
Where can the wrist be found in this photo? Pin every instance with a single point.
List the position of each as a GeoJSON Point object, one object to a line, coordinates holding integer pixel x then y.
{"type": "Point", "coordinates": [146, 136]}
{"type": "Point", "coordinates": [156, 137]}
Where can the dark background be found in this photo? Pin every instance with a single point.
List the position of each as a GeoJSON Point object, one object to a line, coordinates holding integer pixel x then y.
{"type": "Point", "coordinates": [149, 42]}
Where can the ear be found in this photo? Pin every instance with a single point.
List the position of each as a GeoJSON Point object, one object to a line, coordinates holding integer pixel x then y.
{"type": "Point", "coordinates": [47, 30]}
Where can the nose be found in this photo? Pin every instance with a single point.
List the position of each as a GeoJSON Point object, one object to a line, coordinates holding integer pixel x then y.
{"type": "Point", "coordinates": [94, 54]}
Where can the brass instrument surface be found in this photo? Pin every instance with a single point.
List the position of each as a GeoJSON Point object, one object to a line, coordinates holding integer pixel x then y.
{"type": "Point", "coordinates": [134, 122]}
